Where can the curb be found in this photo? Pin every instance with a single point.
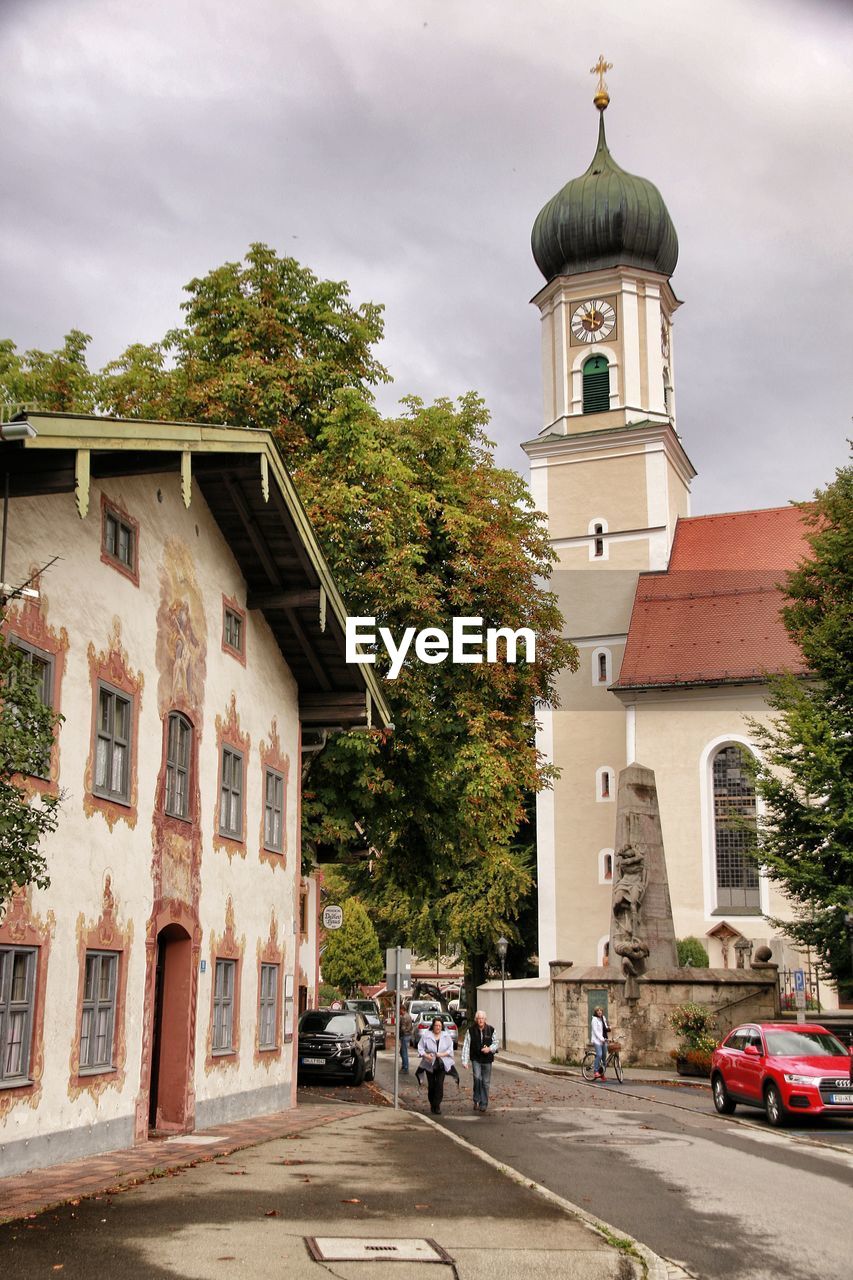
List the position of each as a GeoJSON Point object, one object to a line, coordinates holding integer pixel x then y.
{"type": "Point", "coordinates": [656, 1267]}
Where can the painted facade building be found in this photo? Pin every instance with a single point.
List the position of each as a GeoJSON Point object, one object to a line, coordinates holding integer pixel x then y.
{"type": "Point", "coordinates": [189, 631]}
{"type": "Point", "coordinates": [676, 619]}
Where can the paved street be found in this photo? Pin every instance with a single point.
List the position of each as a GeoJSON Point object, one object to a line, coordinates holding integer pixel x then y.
{"type": "Point", "coordinates": [729, 1200]}
{"type": "Point", "coordinates": [369, 1176]}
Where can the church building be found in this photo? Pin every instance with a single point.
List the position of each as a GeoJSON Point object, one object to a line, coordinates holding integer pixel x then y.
{"type": "Point", "coordinates": [675, 618]}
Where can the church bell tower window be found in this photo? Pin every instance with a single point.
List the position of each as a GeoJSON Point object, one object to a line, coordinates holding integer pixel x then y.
{"type": "Point", "coordinates": [596, 385]}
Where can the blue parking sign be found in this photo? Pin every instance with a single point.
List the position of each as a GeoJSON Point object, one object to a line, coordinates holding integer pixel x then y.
{"type": "Point", "coordinates": [799, 980]}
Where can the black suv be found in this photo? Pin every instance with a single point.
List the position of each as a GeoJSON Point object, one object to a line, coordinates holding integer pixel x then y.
{"type": "Point", "coordinates": [336, 1042]}
{"type": "Point", "coordinates": [372, 1013]}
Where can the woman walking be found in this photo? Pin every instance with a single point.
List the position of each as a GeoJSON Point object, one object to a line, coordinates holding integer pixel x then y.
{"type": "Point", "coordinates": [435, 1050]}
{"type": "Point", "coordinates": [479, 1050]}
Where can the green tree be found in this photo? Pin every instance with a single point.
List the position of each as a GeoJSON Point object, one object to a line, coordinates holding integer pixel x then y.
{"type": "Point", "coordinates": [419, 525]}
{"type": "Point", "coordinates": [691, 952]}
{"type": "Point", "coordinates": [805, 777]}
{"type": "Point", "coordinates": [351, 956]}
{"type": "Point", "coordinates": [59, 380]}
{"type": "Point", "coordinates": [26, 736]}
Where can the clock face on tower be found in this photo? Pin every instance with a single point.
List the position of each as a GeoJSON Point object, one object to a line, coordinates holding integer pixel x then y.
{"type": "Point", "coordinates": [593, 321]}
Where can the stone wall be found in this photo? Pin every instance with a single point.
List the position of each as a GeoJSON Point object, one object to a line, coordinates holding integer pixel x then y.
{"type": "Point", "coordinates": [642, 1025]}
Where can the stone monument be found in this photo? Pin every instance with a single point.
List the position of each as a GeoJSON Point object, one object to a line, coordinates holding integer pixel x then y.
{"type": "Point", "coordinates": [641, 929]}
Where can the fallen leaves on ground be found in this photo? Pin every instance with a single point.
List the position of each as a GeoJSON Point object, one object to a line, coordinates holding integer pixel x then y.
{"type": "Point", "coordinates": [354, 1200]}
{"type": "Point", "coordinates": [271, 1213]}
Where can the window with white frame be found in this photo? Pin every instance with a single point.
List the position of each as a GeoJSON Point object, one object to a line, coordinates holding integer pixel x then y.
{"type": "Point", "coordinates": [597, 530]}
{"type": "Point", "coordinates": [17, 1002]}
{"type": "Point", "coordinates": [97, 1021]}
{"type": "Point", "coordinates": [605, 866]}
{"type": "Point", "coordinates": [112, 752]}
{"type": "Point", "coordinates": [223, 1006]}
{"type": "Point", "coordinates": [273, 810]}
{"type": "Point", "coordinates": [231, 794]}
{"type": "Point", "coordinates": [178, 744]}
{"type": "Point", "coordinates": [602, 666]}
{"type": "Point", "coordinates": [267, 1007]}
{"type": "Point", "coordinates": [604, 783]}
{"type": "Point", "coordinates": [737, 881]}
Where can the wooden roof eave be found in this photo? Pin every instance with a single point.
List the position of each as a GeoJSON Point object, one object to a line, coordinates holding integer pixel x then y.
{"type": "Point", "coordinates": [83, 436]}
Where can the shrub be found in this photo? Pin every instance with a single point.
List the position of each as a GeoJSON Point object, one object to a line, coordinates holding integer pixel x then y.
{"type": "Point", "coordinates": [693, 1023]}
{"type": "Point", "coordinates": [691, 952]}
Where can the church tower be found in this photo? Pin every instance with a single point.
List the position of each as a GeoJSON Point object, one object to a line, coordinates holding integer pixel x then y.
{"type": "Point", "coordinates": [609, 471]}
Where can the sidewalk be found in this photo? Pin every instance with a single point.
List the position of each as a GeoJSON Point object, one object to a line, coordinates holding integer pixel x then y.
{"type": "Point", "coordinates": [374, 1176]}
{"type": "Point", "coordinates": [633, 1075]}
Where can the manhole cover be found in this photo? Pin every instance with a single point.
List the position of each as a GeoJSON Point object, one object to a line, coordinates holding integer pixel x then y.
{"type": "Point", "coordinates": [374, 1249]}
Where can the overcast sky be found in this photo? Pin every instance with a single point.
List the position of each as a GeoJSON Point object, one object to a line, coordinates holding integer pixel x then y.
{"type": "Point", "coordinates": [407, 145]}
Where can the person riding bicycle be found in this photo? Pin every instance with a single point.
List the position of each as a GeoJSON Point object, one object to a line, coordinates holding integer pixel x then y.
{"type": "Point", "coordinates": [599, 1031]}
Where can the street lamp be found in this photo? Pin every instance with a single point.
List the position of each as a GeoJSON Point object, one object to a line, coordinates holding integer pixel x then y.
{"type": "Point", "coordinates": [503, 947]}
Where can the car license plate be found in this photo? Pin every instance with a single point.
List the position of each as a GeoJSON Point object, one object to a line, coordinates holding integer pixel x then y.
{"type": "Point", "coordinates": [313, 1062]}
{"type": "Point", "coordinates": [843, 1098]}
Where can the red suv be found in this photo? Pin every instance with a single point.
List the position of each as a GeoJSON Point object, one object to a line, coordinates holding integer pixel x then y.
{"type": "Point", "coordinates": [783, 1067]}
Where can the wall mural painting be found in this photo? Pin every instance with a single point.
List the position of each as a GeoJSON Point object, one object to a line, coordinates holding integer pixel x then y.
{"type": "Point", "coordinates": [181, 657]}
{"type": "Point", "coordinates": [22, 927]}
{"type": "Point", "coordinates": [112, 667]}
{"type": "Point", "coordinates": [105, 935]}
{"type": "Point", "coordinates": [181, 660]}
{"type": "Point", "coordinates": [272, 757]}
{"type": "Point", "coordinates": [27, 621]}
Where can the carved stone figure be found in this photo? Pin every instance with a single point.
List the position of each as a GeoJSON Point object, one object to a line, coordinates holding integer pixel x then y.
{"type": "Point", "coordinates": [641, 931]}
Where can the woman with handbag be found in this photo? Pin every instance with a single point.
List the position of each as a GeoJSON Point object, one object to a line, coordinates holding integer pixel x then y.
{"type": "Point", "coordinates": [435, 1050]}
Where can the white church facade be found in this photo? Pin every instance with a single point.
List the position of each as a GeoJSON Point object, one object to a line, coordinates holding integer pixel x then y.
{"type": "Point", "coordinates": [676, 619]}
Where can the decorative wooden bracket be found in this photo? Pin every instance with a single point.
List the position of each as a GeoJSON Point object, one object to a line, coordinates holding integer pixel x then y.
{"type": "Point", "coordinates": [265, 477]}
{"type": "Point", "coordinates": [81, 482]}
{"type": "Point", "coordinates": [322, 609]}
{"type": "Point", "coordinates": [186, 478]}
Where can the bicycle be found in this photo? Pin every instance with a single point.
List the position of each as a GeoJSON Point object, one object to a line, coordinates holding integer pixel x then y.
{"type": "Point", "coordinates": [612, 1060]}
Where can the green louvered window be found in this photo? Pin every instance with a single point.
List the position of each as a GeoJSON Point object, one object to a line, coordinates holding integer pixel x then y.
{"type": "Point", "coordinates": [596, 385]}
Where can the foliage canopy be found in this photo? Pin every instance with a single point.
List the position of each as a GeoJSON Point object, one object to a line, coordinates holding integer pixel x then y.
{"type": "Point", "coordinates": [26, 737]}
{"type": "Point", "coordinates": [805, 776]}
{"type": "Point", "coordinates": [351, 956]}
{"type": "Point", "coordinates": [419, 525]}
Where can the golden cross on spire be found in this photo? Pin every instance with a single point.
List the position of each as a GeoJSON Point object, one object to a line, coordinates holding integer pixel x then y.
{"type": "Point", "coordinates": [602, 97]}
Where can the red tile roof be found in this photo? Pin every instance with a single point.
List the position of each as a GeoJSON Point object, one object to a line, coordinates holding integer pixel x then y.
{"type": "Point", "coordinates": [713, 615]}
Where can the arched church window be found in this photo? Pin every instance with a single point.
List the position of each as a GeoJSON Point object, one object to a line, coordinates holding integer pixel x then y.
{"type": "Point", "coordinates": [598, 544]}
{"type": "Point", "coordinates": [596, 385]}
{"type": "Point", "coordinates": [605, 866]}
{"type": "Point", "coordinates": [667, 391]}
{"type": "Point", "coordinates": [602, 668]}
{"type": "Point", "coordinates": [734, 830]}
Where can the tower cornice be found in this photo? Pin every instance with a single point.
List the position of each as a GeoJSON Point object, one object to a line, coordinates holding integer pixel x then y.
{"type": "Point", "coordinates": [605, 441]}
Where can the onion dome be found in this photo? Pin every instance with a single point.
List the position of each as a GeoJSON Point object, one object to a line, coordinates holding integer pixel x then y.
{"type": "Point", "coordinates": [605, 218]}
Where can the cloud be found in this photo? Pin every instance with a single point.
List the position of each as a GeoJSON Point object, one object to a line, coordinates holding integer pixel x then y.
{"type": "Point", "coordinates": [407, 145]}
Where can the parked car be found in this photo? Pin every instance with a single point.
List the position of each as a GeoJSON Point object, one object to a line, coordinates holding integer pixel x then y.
{"type": "Point", "coordinates": [372, 1013]}
{"type": "Point", "coordinates": [784, 1067]}
{"type": "Point", "coordinates": [336, 1043]}
{"type": "Point", "coordinates": [425, 1019]}
{"type": "Point", "coordinates": [417, 1007]}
